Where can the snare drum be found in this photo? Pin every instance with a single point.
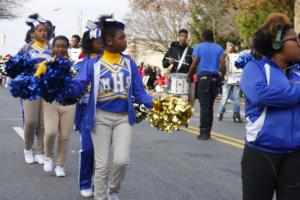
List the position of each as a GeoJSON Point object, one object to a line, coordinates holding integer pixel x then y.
{"type": "Point", "coordinates": [178, 84]}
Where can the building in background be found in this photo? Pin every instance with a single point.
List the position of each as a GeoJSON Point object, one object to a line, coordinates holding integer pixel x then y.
{"type": "Point", "coordinates": [140, 53]}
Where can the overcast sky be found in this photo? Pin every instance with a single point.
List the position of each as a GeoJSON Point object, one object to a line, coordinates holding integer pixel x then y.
{"type": "Point", "coordinates": [64, 14]}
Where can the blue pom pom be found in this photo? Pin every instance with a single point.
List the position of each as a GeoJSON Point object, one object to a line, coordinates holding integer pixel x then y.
{"type": "Point", "coordinates": [20, 63]}
{"type": "Point", "coordinates": [25, 86]}
{"type": "Point", "coordinates": [241, 62]}
{"type": "Point", "coordinates": [56, 79]}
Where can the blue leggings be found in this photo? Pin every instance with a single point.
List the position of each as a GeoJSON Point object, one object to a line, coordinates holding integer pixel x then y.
{"type": "Point", "coordinates": [86, 160]}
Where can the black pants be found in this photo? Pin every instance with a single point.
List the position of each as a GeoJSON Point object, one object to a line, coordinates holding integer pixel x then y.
{"type": "Point", "coordinates": [265, 173]}
{"type": "Point", "coordinates": [207, 92]}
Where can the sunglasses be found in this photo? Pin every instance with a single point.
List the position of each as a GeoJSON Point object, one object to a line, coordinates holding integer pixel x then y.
{"type": "Point", "coordinates": [291, 38]}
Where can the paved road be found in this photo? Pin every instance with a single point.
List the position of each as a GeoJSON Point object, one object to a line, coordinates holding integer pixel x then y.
{"type": "Point", "coordinates": [163, 166]}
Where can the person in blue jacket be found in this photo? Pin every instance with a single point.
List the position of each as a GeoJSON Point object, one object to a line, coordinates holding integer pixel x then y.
{"type": "Point", "coordinates": [91, 47]}
{"type": "Point", "coordinates": [271, 158]}
{"type": "Point", "coordinates": [114, 81]}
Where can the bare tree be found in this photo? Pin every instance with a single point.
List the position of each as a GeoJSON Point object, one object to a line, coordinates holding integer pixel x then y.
{"type": "Point", "coordinates": [8, 8]}
{"type": "Point", "coordinates": [155, 23]}
{"type": "Point", "coordinates": [214, 15]}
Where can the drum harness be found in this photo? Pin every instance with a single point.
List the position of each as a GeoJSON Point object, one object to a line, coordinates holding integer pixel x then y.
{"type": "Point", "coordinates": [182, 59]}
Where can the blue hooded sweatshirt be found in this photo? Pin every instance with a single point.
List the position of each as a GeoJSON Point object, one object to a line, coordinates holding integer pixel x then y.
{"type": "Point", "coordinates": [272, 106]}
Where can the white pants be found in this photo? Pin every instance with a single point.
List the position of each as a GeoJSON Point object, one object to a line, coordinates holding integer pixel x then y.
{"type": "Point", "coordinates": [111, 130]}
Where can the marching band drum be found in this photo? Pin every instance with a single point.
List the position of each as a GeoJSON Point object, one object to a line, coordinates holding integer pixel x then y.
{"type": "Point", "coordinates": [173, 84]}
{"type": "Point", "coordinates": [178, 84]}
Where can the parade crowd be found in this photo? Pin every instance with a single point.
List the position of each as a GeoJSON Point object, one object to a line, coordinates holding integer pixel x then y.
{"type": "Point", "coordinates": [98, 99]}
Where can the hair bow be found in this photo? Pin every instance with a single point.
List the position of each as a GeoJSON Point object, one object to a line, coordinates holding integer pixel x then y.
{"type": "Point", "coordinates": [35, 22]}
{"type": "Point", "coordinates": [94, 30]}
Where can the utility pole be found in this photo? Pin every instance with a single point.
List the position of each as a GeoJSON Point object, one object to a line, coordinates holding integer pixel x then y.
{"type": "Point", "coordinates": [80, 23]}
{"type": "Point", "coordinates": [3, 39]}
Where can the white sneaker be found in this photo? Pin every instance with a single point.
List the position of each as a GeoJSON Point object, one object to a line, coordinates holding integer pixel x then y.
{"type": "Point", "coordinates": [86, 193]}
{"type": "Point", "coordinates": [28, 156]}
{"type": "Point", "coordinates": [59, 171]}
{"type": "Point", "coordinates": [48, 164]}
{"type": "Point", "coordinates": [39, 158]}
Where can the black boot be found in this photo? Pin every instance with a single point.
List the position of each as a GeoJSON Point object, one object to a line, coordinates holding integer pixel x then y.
{"type": "Point", "coordinates": [237, 118]}
{"type": "Point", "coordinates": [204, 134]}
{"type": "Point", "coordinates": [220, 116]}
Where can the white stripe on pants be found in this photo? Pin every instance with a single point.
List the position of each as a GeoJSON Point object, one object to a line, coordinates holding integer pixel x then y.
{"type": "Point", "coordinates": [111, 130]}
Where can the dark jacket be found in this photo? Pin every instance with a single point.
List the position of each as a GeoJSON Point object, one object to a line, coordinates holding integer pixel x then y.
{"type": "Point", "coordinates": [175, 51]}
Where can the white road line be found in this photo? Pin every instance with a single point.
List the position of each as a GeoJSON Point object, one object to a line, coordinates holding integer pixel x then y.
{"type": "Point", "coordinates": [19, 131]}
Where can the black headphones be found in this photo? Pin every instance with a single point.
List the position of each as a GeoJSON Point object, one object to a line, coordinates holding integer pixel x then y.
{"type": "Point", "coordinates": [277, 43]}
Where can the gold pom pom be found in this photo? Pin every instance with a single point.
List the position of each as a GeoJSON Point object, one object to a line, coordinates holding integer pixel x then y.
{"type": "Point", "coordinates": [169, 114]}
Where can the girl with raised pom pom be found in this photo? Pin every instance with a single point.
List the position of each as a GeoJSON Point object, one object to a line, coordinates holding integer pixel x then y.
{"type": "Point", "coordinates": [59, 119]}
{"type": "Point", "coordinates": [38, 50]}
